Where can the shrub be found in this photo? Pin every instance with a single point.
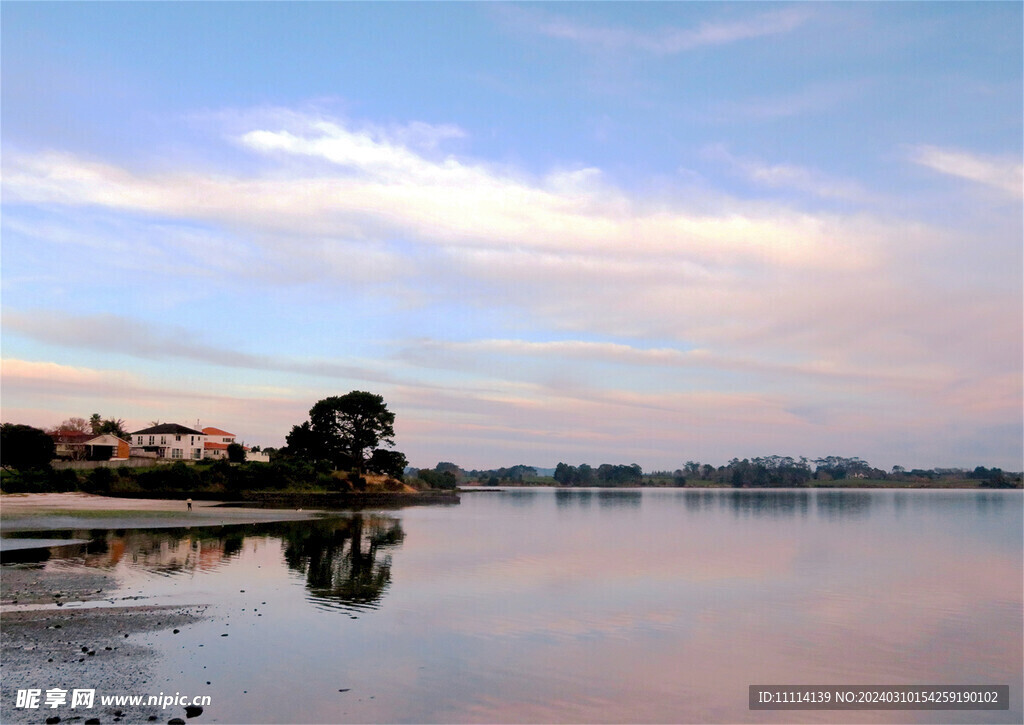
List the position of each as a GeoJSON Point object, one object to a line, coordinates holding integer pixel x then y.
{"type": "Point", "coordinates": [178, 477]}
{"type": "Point", "coordinates": [99, 480]}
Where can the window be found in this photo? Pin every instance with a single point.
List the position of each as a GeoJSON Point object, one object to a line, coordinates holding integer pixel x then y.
{"type": "Point", "coordinates": [226, 440]}
{"type": "Point", "coordinates": [163, 440]}
{"type": "Point", "coordinates": [140, 440]}
{"type": "Point", "coordinates": [176, 453]}
{"type": "Point", "coordinates": [152, 440]}
{"type": "Point", "coordinates": [177, 438]}
{"type": "Point", "coordinates": [197, 454]}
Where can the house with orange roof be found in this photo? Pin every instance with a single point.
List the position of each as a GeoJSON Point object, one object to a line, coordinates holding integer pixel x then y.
{"type": "Point", "coordinates": [217, 442]}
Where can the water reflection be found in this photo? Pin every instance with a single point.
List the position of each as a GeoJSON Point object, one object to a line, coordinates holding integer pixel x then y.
{"type": "Point", "coordinates": [569, 497]}
{"type": "Point", "coordinates": [519, 496]}
{"type": "Point", "coordinates": [611, 497]}
{"type": "Point", "coordinates": [843, 504]}
{"type": "Point", "coordinates": [342, 560]}
{"type": "Point", "coordinates": [769, 503]}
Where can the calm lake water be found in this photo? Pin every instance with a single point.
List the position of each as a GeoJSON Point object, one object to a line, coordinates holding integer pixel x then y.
{"type": "Point", "coordinates": [543, 605]}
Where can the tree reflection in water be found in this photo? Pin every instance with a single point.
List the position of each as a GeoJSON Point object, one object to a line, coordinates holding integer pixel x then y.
{"type": "Point", "coordinates": [343, 559]}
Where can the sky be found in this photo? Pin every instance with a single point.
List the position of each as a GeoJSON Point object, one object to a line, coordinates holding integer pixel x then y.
{"type": "Point", "coordinates": [583, 232]}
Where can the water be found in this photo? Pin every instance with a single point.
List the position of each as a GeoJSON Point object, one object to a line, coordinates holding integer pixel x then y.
{"type": "Point", "coordinates": [541, 605]}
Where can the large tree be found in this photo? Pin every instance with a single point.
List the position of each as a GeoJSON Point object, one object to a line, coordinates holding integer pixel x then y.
{"type": "Point", "coordinates": [348, 426]}
{"type": "Point", "coordinates": [22, 447]}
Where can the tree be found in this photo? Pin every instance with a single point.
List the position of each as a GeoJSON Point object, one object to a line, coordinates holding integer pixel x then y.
{"type": "Point", "coordinates": [94, 423]}
{"type": "Point", "coordinates": [435, 479]}
{"type": "Point", "coordinates": [74, 425]}
{"type": "Point", "coordinates": [389, 463]}
{"type": "Point", "coordinates": [112, 427]}
{"type": "Point", "coordinates": [303, 443]}
{"type": "Point", "coordinates": [565, 474]}
{"type": "Point", "coordinates": [349, 425]}
{"type": "Point", "coordinates": [236, 453]}
{"type": "Point", "coordinates": [449, 466]}
{"type": "Point", "coordinates": [23, 447]}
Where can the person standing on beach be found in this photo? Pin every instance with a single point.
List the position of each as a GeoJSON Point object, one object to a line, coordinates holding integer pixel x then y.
{"type": "Point", "coordinates": [189, 502]}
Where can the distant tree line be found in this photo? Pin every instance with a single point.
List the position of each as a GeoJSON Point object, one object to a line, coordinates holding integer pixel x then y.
{"type": "Point", "coordinates": [766, 471]}
{"type": "Point", "coordinates": [604, 475]}
{"type": "Point", "coordinates": [449, 475]}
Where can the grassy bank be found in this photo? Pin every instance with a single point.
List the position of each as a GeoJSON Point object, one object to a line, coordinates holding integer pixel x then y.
{"type": "Point", "coordinates": [209, 480]}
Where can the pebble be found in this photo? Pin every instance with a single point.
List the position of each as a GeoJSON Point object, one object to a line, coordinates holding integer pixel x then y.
{"type": "Point", "coordinates": [193, 710]}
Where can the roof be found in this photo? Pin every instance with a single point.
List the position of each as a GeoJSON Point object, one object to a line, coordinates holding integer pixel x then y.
{"type": "Point", "coordinates": [216, 432]}
{"type": "Point", "coordinates": [219, 446]}
{"type": "Point", "coordinates": [168, 428]}
{"type": "Point", "coordinates": [105, 440]}
{"type": "Point", "coordinates": [70, 434]}
{"type": "Point", "coordinates": [215, 446]}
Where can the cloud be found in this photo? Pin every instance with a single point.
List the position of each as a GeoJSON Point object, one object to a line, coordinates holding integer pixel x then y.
{"type": "Point", "coordinates": [670, 41]}
{"type": "Point", "coordinates": [813, 98]}
{"type": "Point", "coordinates": [1003, 174]}
{"type": "Point", "coordinates": [591, 353]}
{"type": "Point", "coordinates": [144, 339]}
{"type": "Point", "coordinates": [378, 190]}
{"type": "Point", "coordinates": [822, 306]}
{"type": "Point", "coordinates": [43, 393]}
{"type": "Point", "coordinates": [789, 176]}
{"type": "Point", "coordinates": [569, 249]}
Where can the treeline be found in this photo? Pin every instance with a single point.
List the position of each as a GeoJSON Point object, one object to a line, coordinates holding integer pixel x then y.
{"type": "Point", "coordinates": [766, 471]}
{"type": "Point", "coordinates": [604, 475]}
{"type": "Point", "coordinates": [784, 471]}
{"type": "Point", "coordinates": [447, 475]}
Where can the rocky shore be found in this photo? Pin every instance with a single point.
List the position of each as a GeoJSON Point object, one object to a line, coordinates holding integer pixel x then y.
{"type": "Point", "coordinates": [43, 645]}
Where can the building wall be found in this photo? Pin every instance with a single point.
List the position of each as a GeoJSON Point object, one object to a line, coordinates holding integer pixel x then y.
{"type": "Point", "coordinates": [189, 447]}
{"type": "Point", "coordinates": [128, 463]}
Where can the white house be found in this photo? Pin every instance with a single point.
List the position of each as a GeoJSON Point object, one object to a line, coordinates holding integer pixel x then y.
{"type": "Point", "coordinates": [170, 440]}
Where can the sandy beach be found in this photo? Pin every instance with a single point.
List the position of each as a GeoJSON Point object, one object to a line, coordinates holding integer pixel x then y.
{"type": "Point", "coordinates": [62, 511]}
